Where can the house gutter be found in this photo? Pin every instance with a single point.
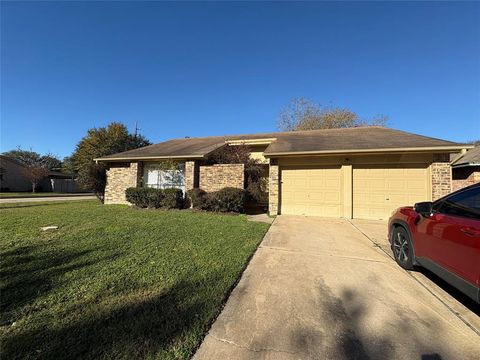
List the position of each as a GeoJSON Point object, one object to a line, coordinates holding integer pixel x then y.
{"type": "Point", "coordinates": [139, 158]}
{"type": "Point", "coordinates": [265, 141]}
{"type": "Point", "coordinates": [465, 165]}
{"type": "Point", "coordinates": [368, 151]}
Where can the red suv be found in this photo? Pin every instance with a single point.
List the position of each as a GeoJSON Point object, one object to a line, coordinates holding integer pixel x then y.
{"type": "Point", "coordinates": [443, 237]}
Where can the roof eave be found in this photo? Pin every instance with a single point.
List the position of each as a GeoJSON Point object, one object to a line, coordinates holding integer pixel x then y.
{"type": "Point", "coordinates": [140, 158]}
{"type": "Point", "coordinates": [452, 148]}
{"type": "Point", "coordinates": [472, 164]}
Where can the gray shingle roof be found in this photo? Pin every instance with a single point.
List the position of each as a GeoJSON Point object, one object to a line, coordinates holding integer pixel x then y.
{"type": "Point", "coordinates": [327, 140]}
{"type": "Point", "coordinates": [470, 158]}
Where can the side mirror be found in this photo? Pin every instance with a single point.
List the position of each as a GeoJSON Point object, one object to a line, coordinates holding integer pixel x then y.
{"type": "Point", "coordinates": [424, 208]}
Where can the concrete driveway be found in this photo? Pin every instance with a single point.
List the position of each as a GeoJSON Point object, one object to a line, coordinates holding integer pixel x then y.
{"type": "Point", "coordinates": [326, 289]}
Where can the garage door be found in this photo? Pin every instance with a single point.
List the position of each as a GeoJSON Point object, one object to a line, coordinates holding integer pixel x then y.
{"type": "Point", "coordinates": [311, 191]}
{"type": "Point", "coordinates": [377, 190]}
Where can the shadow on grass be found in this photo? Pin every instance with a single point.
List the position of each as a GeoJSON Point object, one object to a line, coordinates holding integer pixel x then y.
{"type": "Point", "coordinates": [151, 326]}
{"type": "Point", "coordinates": [30, 272]}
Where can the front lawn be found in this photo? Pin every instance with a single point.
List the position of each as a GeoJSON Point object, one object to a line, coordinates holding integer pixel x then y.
{"type": "Point", "coordinates": [113, 281]}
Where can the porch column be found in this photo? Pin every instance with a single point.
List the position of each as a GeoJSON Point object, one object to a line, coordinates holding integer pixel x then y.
{"type": "Point", "coordinates": [191, 175]}
{"type": "Point", "coordinates": [441, 176]}
{"type": "Point", "coordinates": [273, 188]}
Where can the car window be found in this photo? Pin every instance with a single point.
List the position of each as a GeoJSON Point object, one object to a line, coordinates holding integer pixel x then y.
{"type": "Point", "coordinates": [465, 203]}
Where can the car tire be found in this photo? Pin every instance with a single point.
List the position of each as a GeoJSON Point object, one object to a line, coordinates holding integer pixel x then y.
{"type": "Point", "coordinates": [402, 248]}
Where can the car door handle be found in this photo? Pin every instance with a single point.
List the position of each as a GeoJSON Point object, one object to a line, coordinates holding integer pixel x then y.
{"type": "Point", "coordinates": [470, 231]}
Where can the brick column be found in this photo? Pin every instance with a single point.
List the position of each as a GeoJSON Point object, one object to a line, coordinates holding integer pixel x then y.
{"type": "Point", "coordinates": [190, 172]}
{"type": "Point", "coordinates": [441, 176]}
{"type": "Point", "coordinates": [273, 189]}
{"type": "Point", "coordinates": [119, 178]}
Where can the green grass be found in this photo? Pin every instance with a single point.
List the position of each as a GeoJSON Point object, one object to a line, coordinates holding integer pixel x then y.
{"type": "Point", "coordinates": [6, 195]}
{"type": "Point", "coordinates": [113, 281]}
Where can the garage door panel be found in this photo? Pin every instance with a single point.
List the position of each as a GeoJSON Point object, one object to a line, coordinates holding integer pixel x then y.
{"type": "Point", "coordinates": [331, 184]}
{"type": "Point", "coordinates": [313, 191]}
{"type": "Point", "coordinates": [332, 197]}
{"type": "Point", "coordinates": [316, 196]}
{"type": "Point", "coordinates": [377, 190]}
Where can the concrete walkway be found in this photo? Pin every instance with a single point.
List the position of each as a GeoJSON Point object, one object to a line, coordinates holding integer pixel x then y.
{"type": "Point", "coordinates": [47, 198]}
{"type": "Point", "coordinates": [321, 289]}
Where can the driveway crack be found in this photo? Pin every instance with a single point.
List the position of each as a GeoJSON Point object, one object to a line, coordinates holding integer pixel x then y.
{"type": "Point", "coordinates": [253, 349]}
{"type": "Point", "coordinates": [451, 309]}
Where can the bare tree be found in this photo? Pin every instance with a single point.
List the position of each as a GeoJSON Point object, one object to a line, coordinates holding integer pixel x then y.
{"type": "Point", "coordinates": [35, 173]}
{"type": "Point", "coordinates": [304, 114]}
{"type": "Point", "coordinates": [36, 166]}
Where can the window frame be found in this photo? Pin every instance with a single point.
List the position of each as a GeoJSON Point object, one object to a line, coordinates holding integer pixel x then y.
{"type": "Point", "coordinates": [440, 206]}
{"type": "Point", "coordinates": [162, 181]}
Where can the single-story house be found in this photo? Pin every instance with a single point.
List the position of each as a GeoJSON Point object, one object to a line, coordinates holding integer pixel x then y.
{"type": "Point", "coordinates": [466, 168]}
{"type": "Point", "coordinates": [363, 172]}
{"type": "Point", "coordinates": [12, 178]}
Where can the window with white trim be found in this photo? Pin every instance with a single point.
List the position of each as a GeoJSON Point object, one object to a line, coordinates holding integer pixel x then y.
{"type": "Point", "coordinates": [155, 177]}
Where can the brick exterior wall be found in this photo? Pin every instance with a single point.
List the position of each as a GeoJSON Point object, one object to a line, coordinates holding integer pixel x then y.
{"type": "Point", "coordinates": [191, 175]}
{"type": "Point", "coordinates": [273, 189]}
{"type": "Point", "coordinates": [465, 176]}
{"type": "Point", "coordinates": [218, 176]}
{"type": "Point", "coordinates": [441, 177]}
{"type": "Point", "coordinates": [119, 178]}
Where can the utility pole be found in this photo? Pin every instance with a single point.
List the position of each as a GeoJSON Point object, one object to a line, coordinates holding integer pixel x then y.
{"type": "Point", "coordinates": [136, 129]}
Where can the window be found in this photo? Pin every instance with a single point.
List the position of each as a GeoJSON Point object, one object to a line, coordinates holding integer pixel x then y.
{"type": "Point", "coordinates": [154, 177]}
{"type": "Point", "coordinates": [465, 203]}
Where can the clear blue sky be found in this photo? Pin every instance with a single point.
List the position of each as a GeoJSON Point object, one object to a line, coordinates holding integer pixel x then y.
{"type": "Point", "coordinates": [194, 69]}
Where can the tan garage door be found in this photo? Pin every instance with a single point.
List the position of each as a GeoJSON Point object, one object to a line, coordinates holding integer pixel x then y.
{"type": "Point", "coordinates": [378, 190]}
{"type": "Point", "coordinates": [311, 191]}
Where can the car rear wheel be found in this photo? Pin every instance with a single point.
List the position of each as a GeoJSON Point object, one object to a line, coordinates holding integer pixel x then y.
{"type": "Point", "coordinates": [402, 248]}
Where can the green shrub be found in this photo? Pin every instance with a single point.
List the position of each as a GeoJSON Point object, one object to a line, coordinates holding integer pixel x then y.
{"type": "Point", "coordinates": [137, 196]}
{"type": "Point", "coordinates": [196, 197]}
{"type": "Point", "coordinates": [173, 199]}
{"type": "Point", "coordinates": [225, 200]}
{"type": "Point", "coordinates": [144, 197]}
{"type": "Point", "coordinates": [230, 199]}
{"type": "Point", "coordinates": [155, 198]}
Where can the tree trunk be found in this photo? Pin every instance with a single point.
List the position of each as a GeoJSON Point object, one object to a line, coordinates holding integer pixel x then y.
{"type": "Point", "coordinates": [34, 187]}
{"type": "Point", "coordinates": [100, 196]}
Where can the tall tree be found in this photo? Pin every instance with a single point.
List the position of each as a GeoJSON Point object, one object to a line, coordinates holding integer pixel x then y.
{"type": "Point", "coordinates": [99, 142]}
{"type": "Point", "coordinates": [36, 166]}
{"type": "Point", "coordinates": [304, 114]}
